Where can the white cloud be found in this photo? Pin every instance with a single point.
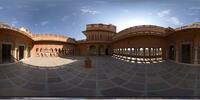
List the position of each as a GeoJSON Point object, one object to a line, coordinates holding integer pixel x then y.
{"type": "Point", "coordinates": [174, 20]}
{"type": "Point", "coordinates": [36, 25]}
{"type": "Point", "coordinates": [100, 2]}
{"type": "Point", "coordinates": [166, 14]}
{"type": "Point", "coordinates": [194, 11]}
{"type": "Point", "coordinates": [87, 10]}
{"type": "Point", "coordinates": [64, 18]}
{"type": "Point", "coordinates": [44, 23]}
{"type": "Point", "coordinates": [51, 5]}
{"type": "Point", "coordinates": [197, 19]}
{"type": "Point", "coordinates": [1, 8]}
{"type": "Point", "coordinates": [34, 9]}
{"type": "Point", "coordinates": [23, 6]}
{"type": "Point", "coordinates": [126, 10]}
{"type": "Point", "coordinates": [163, 13]}
{"type": "Point", "coordinates": [150, 13]}
{"type": "Point", "coordinates": [194, 8]}
{"type": "Point", "coordinates": [14, 23]}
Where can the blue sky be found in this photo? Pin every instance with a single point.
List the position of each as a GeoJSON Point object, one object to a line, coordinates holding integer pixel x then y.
{"type": "Point", "coordinates": [69, 17]}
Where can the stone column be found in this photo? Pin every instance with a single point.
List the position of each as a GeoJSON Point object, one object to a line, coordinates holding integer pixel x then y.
{"type": "Point", "coordinates": [12, 53]}
{"type": "Point", "coordinates": [154, 53]}
{"type": "Point", "coordinates": [121, 52]}
{"type": "Point", "coordinates": [26, 52]}
{"type": "Point", "coordinates": [195, 55]}
{"type": "Point", "coordinates": [144, 54]}
{"type": "Point", "coordinates": [0, 53]}
{"type": "Point", "coordinates": [177, 54]}
{"type": "Point", "coordinates": [136, 53]}
{"type": "Point", "coordinates": [87, 49]}
{"type": "Point", "coordinates": [149, 58]}
{"type": "Point", "coordinates": [125, 52]}
{"type": "Point", "coordinates": [130, 55]}
{"type": "Point", "coordinates": [166, 53]}
{"type": "Point", "coordinates": [149, 51]}
{"type": "Point", "coordinates": [16, 55]}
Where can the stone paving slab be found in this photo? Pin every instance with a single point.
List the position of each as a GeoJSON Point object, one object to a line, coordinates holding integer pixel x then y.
{"type": "Point", "coordinates": [108, 77]}
{"type": "Point", "coordinates": [120, 92]}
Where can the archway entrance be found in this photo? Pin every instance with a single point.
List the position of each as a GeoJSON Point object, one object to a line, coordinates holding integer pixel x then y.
{"type": "Point", "coordinates": [186, 55]}
{"type": "Point", "coordinates": [101, 50]}
{"type": "Point", "coordinates": [21, 52]}
{"type": "Point", "coordinates": [92, 50]}
{"type": "Point", "coordinates": [172, 53]}
{"type": "Point", "coordinates": [107, 51]}
{"type": "Point", "coordinates": [6, 53]}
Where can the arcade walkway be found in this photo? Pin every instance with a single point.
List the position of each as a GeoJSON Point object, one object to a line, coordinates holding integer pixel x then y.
{"type": "Point", "coordinates": [108, 77]}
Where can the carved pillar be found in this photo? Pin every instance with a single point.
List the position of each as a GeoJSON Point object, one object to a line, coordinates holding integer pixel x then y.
{"type": "Point", "coordinates": [196, 55]}
{"type": "Point", "coordinates": [156, 54]}
{"type": "Point", "coordinates": [16, 54]}
{"type": "Point", "coordinates": [177, 53]}
{"type": "Point", "coordinates": [26, 52]}
{"type": "Point", "coordinates": [125, 52]}
{"type": "Point", "coordinates": [149, 58]}
{"type": "Point", "coordinates": [87, 50]}
{"type": "Point", "coordinates": [136, 54]}
{"type": "Point", "coordinates": [130, 54]}
{"type": "Point", "coordinates": [153, 52]}
{"type": "Point", "coordinates": [0, 53]}
{"type": "Point", "coordinates": [166, 53]}
{"type": "Point", "coordinates": [144, 54]}
{"type": "Point", "coordinates": [121, 56]}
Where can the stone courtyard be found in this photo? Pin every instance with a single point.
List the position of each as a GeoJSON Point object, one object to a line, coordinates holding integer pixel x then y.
{"type": "Point", "coordinates": [108, 77]}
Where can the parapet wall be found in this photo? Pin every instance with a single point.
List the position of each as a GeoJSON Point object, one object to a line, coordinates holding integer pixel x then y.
{"type": "Point", "coordinates": [142, 30]}
{"type": "Point", "coordinates": [26, 33]}
{"type": "Point", "coordinates": [194, 25]}
{"type": "Point", "coordinates": [105, 27]}
{"type": "Point", "coordinates": [52, 37]}
{"type": "Point", "coordinates": [38, 37]}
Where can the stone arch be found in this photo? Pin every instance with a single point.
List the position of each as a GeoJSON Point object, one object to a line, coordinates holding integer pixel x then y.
{"type": "Point", "coordinates": [92, 50]}
{"type": "Point", "coordinates": [101, 50]}
{"type": "Point", "coordinates": [108, 50]}
{"type": "Point", "coordinates": [36, 49]}
{"type": "Point", "coordinates": [59, 50]}
{"type": "Point", "coordinates": [63, 51]}
{"type": "Point", "coordinates": [41, 49]}
{"type": "Point", "coordinates": [51, 50]}
{"type": "Point", "coordinates": [55, 49]}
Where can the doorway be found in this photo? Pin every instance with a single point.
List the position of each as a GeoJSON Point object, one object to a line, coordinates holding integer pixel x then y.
{"type": "Point", "coordinates": [21, 52]}
{"type": "Point", "coordinates": [6, 53]}
{"type": "Point", "coordinates": [92, 50]}
{"type": "Point", "coordinates": [172, 53]}
{"type": "Point", "coordinates": [107, 52]}
{"type": "Point", "coordinates": [186, 55]}
{"type": "Point", "coordinates": [101, 50]}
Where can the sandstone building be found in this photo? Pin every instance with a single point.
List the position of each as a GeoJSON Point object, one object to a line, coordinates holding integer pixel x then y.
{"type": "Point", "coordinates": [138, 44]}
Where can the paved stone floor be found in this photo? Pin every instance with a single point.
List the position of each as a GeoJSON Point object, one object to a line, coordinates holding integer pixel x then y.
{"type": "Point", "coordinates": [48, 61]}
{"type": "Point", "coordinates": [108, 77]}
